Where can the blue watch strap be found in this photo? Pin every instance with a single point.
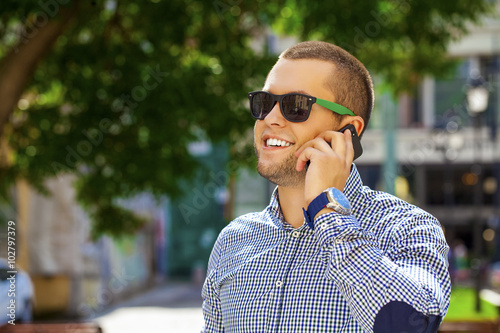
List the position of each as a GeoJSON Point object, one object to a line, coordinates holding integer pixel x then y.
{"type": "Point", "coordinates": [314, 207]}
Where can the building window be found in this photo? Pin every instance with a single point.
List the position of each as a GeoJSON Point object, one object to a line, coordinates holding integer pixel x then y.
{"type": "Point", "coordinates": [456, 185]}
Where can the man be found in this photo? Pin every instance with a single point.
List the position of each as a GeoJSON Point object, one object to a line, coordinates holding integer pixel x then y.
{"type": "Point", "coordinates": [346, 260]}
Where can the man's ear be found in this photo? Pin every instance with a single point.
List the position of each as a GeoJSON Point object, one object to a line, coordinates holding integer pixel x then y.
{"type": "Point", "coordinates": [359, 124]}
{"type": "Point", "coordinates": [356, 121]}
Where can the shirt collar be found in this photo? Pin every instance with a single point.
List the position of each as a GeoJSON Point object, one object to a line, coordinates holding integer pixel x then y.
{"type": "Point", "coordinates": [275, 209]}
{"type": "Point", "coordinates": [353, 184]}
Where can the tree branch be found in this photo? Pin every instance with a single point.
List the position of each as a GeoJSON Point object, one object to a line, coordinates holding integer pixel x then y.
{"type": "Point", "coordinates": [18, 66]}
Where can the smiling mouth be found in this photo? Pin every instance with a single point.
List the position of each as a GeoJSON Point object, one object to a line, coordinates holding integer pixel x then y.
{"type": "Point", "coordinates": [277, 143]}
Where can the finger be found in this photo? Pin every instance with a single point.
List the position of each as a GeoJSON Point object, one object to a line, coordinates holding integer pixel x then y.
{"type": "Point", "coordinates": [337, 141]}
{"type": "Point", "coordinates": [349, 148]}
{"type": "Point", "coordinates": [316, 143]}
{"type": "Point", "coordinates": [327, 135]}
{"type": "Point", "coordinates": [341, 143]}
{"type": "Point", "coordinates": [310, 149]}
{"type": "Point", "coordinates": [303, 158]}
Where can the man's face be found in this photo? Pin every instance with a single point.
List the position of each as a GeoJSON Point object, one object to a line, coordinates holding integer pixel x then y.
{"type": "Point", "coordinates": [277, 163]}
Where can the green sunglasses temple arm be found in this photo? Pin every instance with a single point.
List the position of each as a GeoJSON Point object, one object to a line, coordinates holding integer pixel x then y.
{"type": "Point", "coordinates": [337, 108]}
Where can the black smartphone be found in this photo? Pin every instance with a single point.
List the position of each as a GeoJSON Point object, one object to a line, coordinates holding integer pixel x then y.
{"type": "Point", "coordinates": [356, 142]}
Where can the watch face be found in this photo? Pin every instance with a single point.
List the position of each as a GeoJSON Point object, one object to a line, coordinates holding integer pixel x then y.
{"type": "Point", "coordinates": [342, 200]}
{"type": "Point", "coordinates": [338, 200]}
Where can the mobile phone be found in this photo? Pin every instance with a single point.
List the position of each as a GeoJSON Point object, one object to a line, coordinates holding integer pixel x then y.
{"type": "Point", "coordinates": [356, 142]}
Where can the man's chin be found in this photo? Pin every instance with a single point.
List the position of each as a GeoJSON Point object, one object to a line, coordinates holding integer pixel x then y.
{"type": "Point", "coordinates": [282, 175]}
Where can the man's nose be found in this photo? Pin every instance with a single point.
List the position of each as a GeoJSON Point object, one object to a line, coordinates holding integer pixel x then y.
{"type": "Point", "coordinates": [275, 117]}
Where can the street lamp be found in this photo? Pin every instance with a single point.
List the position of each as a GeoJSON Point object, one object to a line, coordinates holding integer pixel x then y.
{"type": "Point", "coordinates": [477, 102]}
{"type": "Point", "coordinates": [477, 95]}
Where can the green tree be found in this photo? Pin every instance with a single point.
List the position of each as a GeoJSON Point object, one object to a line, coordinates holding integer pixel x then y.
{"type": "Point", "coordinates": [400, 40]}
{"type": "Point", "coordinates": [114, 91]}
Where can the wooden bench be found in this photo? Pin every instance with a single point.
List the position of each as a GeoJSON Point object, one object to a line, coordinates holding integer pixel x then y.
{"type": "Point", "coordinates": [52, 328]}
{"type": "Point", "coordinates": [469, 327]}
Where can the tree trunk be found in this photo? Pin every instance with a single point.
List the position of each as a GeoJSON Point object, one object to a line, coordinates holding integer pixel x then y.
{"type": "Point", "coordinates": [17, 68]}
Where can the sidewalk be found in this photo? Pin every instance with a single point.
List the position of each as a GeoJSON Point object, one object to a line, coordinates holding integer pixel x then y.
{"type": "Point", "coordinates": [174, 307]}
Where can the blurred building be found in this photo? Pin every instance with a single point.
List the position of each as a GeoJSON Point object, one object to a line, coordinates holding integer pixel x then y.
{"type": "Point", "coordinates": [448, 148]}
{"type": "Point", "coordinates": [74, 276]}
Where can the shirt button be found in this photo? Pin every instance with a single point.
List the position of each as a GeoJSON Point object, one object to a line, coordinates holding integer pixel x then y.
{"type": "Point", "coordinates": [323, 226]}
{"type": "Point", "coordinates": [279, 283]}
{"type": "Point", "coordinates": [338, 241]}
{"type": "Point", "coordinates": [296, 234]}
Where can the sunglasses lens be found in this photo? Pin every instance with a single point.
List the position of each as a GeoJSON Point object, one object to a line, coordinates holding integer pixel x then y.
{"type": "Point", "coordinates": [295, 108]}
{"type": "Point", "coordinates": [261, 104]}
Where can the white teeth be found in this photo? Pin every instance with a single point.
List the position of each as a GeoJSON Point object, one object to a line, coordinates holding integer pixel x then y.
{"type": "Point", "coordinates": [277, 143]}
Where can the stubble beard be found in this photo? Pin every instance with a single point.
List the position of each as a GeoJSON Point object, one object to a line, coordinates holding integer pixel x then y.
{"type": "Point", "coordinates": [283, 173]}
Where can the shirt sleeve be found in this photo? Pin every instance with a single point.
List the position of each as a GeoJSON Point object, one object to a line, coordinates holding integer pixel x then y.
{"type": "Point", "coordinates": [212, 312]}
{"type": "Point", "coordinates": [404, 287]}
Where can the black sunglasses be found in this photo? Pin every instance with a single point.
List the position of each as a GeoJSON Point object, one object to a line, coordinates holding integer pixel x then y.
{"type": "Point", "coordinates": [294, 107]}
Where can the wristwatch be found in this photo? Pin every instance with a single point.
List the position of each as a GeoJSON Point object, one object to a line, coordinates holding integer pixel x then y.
{"type": "Point", "coordinates": [330, 198]}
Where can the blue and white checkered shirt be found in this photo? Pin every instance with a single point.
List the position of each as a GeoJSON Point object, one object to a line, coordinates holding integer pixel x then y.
{"type": "Point", "coordinates": [381, 269]}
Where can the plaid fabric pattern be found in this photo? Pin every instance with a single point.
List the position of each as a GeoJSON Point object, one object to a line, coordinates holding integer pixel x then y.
{"type": "Point", "coordinates": [266, 276]}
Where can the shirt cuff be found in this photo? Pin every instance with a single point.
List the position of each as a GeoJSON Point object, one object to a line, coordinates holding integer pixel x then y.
{"type": "Point", "coordinates": [334, 227]}
{"type": "Point", "coordinates": [347, 249]}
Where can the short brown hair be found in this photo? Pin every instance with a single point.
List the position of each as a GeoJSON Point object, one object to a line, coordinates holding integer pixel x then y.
{"type": "Point", "coordinates": [351, 82]}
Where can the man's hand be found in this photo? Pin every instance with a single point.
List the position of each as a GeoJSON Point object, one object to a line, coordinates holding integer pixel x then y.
{"type": "Point", "coordinates": [331, 155]}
